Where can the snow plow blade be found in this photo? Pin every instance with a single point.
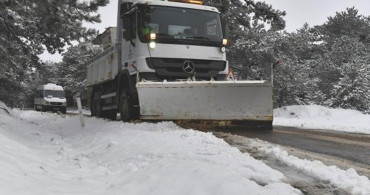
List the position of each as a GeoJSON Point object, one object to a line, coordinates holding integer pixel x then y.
{"type": "Point", "coordinates": [208, 103]}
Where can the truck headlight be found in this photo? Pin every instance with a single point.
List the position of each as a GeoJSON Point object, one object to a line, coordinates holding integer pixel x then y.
{"type": "Point", "coordinates": [152, 44]}
{"type": "Point", "coordinates": [152, 36]}
{"type": "Point", "coordinates": [225, 42]}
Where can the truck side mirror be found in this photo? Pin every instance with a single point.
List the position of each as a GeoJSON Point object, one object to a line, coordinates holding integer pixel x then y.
{"type": "Point", "coordinates": [126, 34]}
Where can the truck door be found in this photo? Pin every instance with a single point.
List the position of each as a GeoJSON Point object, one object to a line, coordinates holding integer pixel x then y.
{"type": "Point", "coordinates": [129, 41]}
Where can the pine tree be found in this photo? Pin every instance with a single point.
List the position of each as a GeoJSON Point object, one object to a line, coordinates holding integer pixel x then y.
{"type": "Point", "coordinates": [73, 69]}
{"type": "Point", "coordinates": [350, 61]}
{"type": "Point", "coordinates": [349, 23]}
{"type": "Point", "coordinates": [245, 22]}
{"type": "Point", "coordinates": [28, 27]}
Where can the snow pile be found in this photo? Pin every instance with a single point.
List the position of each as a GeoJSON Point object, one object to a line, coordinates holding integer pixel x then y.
{"type": "Point", "coordinates": [45, 153]}
{"type": "Point", "coordinates": [74, 110]}
{"type": "Point", "coordinates": [348, 180]}
{"type": "Point", "coordinates": [4, 108]}
{"type": "Point", "coordinates": [319, 117]}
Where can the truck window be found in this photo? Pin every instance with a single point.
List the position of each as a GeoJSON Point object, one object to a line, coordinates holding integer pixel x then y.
{"type": "Point", "coordinates": [133, 25]}
{"type": "Point", "coordinates": [176, 30]}
{"type": "Point", "coordinates": [129, 26]}
{"type": "Point", "coordinates": [212, 27]}
{"type": "Point", "coordinates": [175, 25]}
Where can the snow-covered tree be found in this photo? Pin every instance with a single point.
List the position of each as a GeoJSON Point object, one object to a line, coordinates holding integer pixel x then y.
{"type": "Point", "coordinates": [248, 22]}
{"type": "Point", "coordinates": [350, 61]}
{"type": "Point", "coordinates": [27, 28]}
{"type": "Point", "coordinates": [349, 23]}
{"type": "Point", "coordinates": [73, 69]}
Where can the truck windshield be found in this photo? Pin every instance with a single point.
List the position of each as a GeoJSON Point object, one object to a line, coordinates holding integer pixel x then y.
{"type": "Point", "coordinates": [180, 25]}
{"type": "Point", "coordinates": [56, 94]}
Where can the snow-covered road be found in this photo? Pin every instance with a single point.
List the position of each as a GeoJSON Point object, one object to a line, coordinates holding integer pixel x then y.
{"type": "Point", "coordinates": [47, 153]}
{"type": "Point", "coordinates": [308, 174]}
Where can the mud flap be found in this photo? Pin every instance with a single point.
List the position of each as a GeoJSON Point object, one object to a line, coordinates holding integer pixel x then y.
{"type": "Point", "coordinates": [206, 100]}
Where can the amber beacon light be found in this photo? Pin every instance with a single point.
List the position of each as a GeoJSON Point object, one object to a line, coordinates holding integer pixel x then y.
{"type": "Point", "coordinates": [189, 1]}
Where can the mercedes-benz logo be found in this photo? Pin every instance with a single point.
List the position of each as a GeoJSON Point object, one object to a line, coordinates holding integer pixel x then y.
{"type": "Point", "coordinates": [188, 67]}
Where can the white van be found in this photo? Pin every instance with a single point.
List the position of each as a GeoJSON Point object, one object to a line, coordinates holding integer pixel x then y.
{"type": "Point", "coordinates": [50, 97]}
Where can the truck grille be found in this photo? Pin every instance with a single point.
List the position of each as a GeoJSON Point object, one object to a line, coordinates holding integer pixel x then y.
{"type": "Point", "coordinates": [171, 68]}
{"type": "Point", "coordinates": [56, 103]}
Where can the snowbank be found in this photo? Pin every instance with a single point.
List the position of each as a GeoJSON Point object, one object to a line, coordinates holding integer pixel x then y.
{"type": "Point", "coordinates": [319, 117]}
{"type": "Point", "coordinates": [46, 153]}
{"type": "Point", "coordinates": [348, 180]}
{"type": "Point", "coordinates": [74, 110]}
{"type": "Point", "coordinates": [4, 108]}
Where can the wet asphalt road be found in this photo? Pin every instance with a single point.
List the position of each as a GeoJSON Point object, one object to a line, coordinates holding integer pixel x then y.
{"type": "Point", "coordinates": [349, 146]}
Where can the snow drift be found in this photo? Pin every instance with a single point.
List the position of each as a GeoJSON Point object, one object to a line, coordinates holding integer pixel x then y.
{"type": "Point", "coordinates": [319, 117]}
{"type": "Point", "coordinates": [348, 180]}
{"type": "Point", "coordinates": [45, 153]}
{"type": "Point", "coordinates": [4, 108]}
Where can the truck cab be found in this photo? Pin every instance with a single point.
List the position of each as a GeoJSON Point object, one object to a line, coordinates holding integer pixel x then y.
{"type": "Point", "coordinates": [50, 97]}
{"type": "Point", "coordinates": [166, 60]}
{"type": "Point", "coordinates": [166, 40]}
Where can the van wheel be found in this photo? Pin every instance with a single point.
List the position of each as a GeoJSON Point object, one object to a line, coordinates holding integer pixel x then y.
{"type": "Point", "coordinates": [125, 106]}
{"type": "Point", "coordinates": [96, 105]}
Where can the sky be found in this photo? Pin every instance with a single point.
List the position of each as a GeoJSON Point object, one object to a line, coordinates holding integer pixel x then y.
{"type": "Point", "coordinates": [315, 12]}
{"type": "Point", "coordinates": [298, 12]}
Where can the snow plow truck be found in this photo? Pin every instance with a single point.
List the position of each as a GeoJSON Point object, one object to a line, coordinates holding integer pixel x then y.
{"type": "Point", "coordinates": [166, 61]}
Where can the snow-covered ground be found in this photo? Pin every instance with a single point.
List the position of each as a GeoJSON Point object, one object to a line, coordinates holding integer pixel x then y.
{"type": "Point", "coordinates": [348, 180]}
{"type": "Point", "coordinates": [319, 117]}
{"type": "Point", "coordinates": [47, 153]}
{"type": "Point", "coordinates": [74, 110]}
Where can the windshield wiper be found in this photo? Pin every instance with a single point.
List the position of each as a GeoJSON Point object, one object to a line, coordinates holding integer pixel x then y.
{"type": "Point", "coordinates": [201, 38]}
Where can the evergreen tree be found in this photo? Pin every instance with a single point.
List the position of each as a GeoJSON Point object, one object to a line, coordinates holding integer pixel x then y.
{"type": "Point", "coordinates": [248, 22]}
{"type": "Point", "coordinates": [27, 27]}
{"type": "Point", "coordinates": [73, 69]}
{"type": "Point", "coordinates": [351, 86]}
{"type": "Point", "coordinates": [349, 23]}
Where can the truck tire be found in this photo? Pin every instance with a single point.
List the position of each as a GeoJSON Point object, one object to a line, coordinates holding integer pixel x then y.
{"type": "Point", "coordinates": [96, 105]}
{"type": "Point", "coordinates": [266, 126]}
{"type": "Point", "coordinates": [64, 110]}
{"type": "Point", "coordinates": [110, 114]}
{"type": "Point", "coordinates": [125, 106]}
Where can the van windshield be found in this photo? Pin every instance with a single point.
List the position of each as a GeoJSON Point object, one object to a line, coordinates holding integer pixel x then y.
{"type": "Point", "coordinates": [53, 93]}
{"type": "Point", "coordinates": [175, 25]}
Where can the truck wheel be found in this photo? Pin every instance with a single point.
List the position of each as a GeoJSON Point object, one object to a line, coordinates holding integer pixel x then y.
{"type": "Point", "coordinates": [110, 114]}
{"type": "Point", "coordinates": [36, 107]}
{"type": "Point", "coordinates": [96, 105]}
{"type": "Point", "coordinates": [64, 110]}
{"type": "Point", "coordinates": [125, 106]}
{"type": "Point", "coordinates": [43, 109]}
{"type": "Point", "coordinates": [267, 126]}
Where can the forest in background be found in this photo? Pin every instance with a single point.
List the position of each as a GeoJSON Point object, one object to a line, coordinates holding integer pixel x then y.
{"type": "Point", "coordinates": [327, 64]}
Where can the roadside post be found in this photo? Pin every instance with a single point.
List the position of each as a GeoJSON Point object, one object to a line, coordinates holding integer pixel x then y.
{"type": "Point", "coordinates": [78, 99]}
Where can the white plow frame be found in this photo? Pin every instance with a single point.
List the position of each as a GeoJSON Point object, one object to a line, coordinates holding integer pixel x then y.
{"type": "Point", "coordinates": [206, 100]}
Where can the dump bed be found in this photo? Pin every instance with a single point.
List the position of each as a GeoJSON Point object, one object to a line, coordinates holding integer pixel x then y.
{"type": "Point", "coordinates": [104, 67]}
